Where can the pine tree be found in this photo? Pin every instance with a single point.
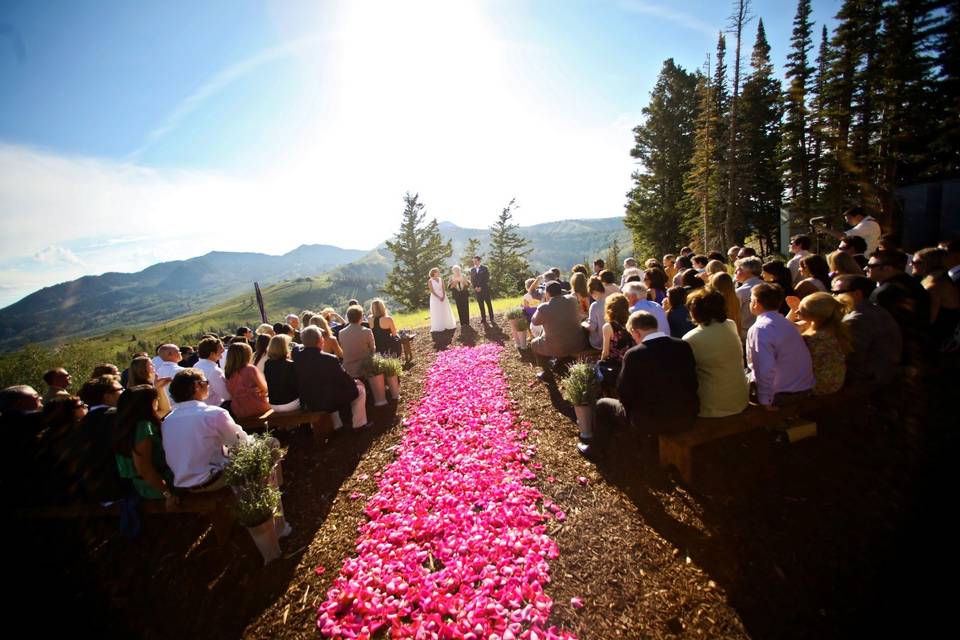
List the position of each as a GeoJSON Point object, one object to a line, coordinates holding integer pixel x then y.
{"type": "Point", "coordinates": [508, 254]}
{"type": "Point", "coordinates": [471, 249]}
{"type": "Point", "coordinates": [795, 127]}
{"type": "Point", "coordinates": [416, 249]}
{"type": "Point", "coordinates": [761, 115]}
{"type": "Point", "coordinates": [946, 143]}
{"type": "Point", "coordinates": [612, 261]}
{"type": "Point", "coordinates": [818, 125]}
{"type": "Point", "coordinates": [664, 146]}
{"type": "Point", "coordinates": [733, 222]}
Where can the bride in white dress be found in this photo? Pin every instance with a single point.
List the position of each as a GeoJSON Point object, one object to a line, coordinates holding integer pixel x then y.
{"type": "Point", "coordinates": [441, 316]}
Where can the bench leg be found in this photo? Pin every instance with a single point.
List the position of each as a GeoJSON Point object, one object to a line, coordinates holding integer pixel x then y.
{"type": "Point", "coordinates": [222, 520]}
{"type": "Point", "coordinates": [680, 457]}
{"type": "Point", "coordinates": [322, 429]}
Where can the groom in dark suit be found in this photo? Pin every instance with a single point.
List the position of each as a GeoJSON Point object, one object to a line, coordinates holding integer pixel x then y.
{"type": "Point", "coordinates": [480, 280]}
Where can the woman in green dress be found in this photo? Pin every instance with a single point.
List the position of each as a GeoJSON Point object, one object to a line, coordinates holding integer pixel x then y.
{"type": "Point", "coordinates": [137, 445]}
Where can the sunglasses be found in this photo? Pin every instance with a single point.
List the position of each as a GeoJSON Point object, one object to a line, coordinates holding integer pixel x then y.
{"type": "Point", "coordinates": [874, 265]}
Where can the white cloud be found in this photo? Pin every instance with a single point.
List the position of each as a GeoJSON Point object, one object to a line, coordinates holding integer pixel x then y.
{"type": "Point", "coordinates": [52, 256]}
{"type": "Point", "coordinates": [665, 11]}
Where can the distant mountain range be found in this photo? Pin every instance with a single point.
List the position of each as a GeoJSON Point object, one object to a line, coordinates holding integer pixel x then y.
{"type": "Point", "coordinates": [165, 291]}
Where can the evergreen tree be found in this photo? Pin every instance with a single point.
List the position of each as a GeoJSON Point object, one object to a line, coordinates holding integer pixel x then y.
{"type": "Point", "coordinates": [818, 125]}
{"type": "Point", "coordinates": [761, 114]}
{"type": "Point", "coordinates": [508, 254]}
{"type": "Point", "coordinates": [946, 143]}
{"type": "Point", "coordinates": [664, 146]}
{"type": "Point", "coordinates": [612, 261]}
{"type": "Point", "coordinates": [471, 249]}
{"type": "Point", "coordinates": [795, 127]}
{"type": "Point", "coordinates": [416, 249]}
{"type": "Point", "coordinates": [733, 220]}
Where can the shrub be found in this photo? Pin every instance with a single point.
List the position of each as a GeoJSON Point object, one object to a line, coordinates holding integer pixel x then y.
{"type": "Point", "coordinates": [256, 503]}
{"type": "Point", "coordinates": [580, 386]}
{"type": "Point", "coordinates": [515, 313]}
{"type": "Point", "coordinates": [392, 367]}
{"type": "Point", "coordinates": [251, 462]}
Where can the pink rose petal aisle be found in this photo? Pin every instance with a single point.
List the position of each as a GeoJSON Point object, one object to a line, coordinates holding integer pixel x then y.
{"type": "Point", "coordinates": [456, 543]}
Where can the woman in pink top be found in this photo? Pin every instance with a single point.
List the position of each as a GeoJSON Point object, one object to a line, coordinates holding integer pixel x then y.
{"type": "Point", "coordinates": [247, 386]}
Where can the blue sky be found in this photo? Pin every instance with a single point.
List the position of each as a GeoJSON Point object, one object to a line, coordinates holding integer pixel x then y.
{"type": "Point", "coordinates": [135, 132]}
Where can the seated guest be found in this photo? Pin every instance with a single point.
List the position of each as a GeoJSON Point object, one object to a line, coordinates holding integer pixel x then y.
{"type": "Point", "coordinates": [814, 276]}
{"type": "Point", "coordinates": [281, 376]}
{"type": "Point", "coordinates": [856, 247]}
{"type": "Point", "coordinates": [137, 447]}
{"type": "Point", "coordinates": [278, 328]}
{"type": "Point", "coordinates": [616, 338]}
{"type": "Point", "coordinates": [714, 266]}
{"type": "Point", "coordinates": [699, 262]}
{"type": "Point", "coordinates": [293, 321]}
{"type": "Point", "coordinates": [330, 343]}
{"type": "Point", "coordinates": [188, 356]}
{"type": "Point", "coordinates": [558, 276]}
{"type": "Point", "coordinates": [874, 334]}
{"type": "Point", "coordinates": [678, 317]}
{"type": "Point", "coordinates": [669, 267]}
{"type": "Point", "coordinates": [900, 294]}
{"type": "Point", "coordinates": [385, 337]}
{"type": "Point", "coordinates": [843, 263]}
{"type": "Point", "coordinates": [196, 436]}
{"type": "Point", "coordinates": [952, 260]}
{"type": "Point", "coordinates": [104, 369]}
{"type": "Point", "coordinates": [682, 265]}
{"type": "Point", "coordinates": [324, 385]}
{"type": "Point", "coordinates": [718, 256]}
{"type": "Point", "coordinates": [776, 272]}
{"type": "Point", "coordinates": [57, 381]}
{"type": "Point", "coordinates": [780, 363]}
{"type": "Point", "coordinates": [357, 343]}
{"type": "Point", "coordinates": [609, 280]}
{"type": "Point", "coordinates": [559, 317]}
{"type": "Point", "coordinates": [747, 272]}
{"type": "Point", "coordinates": [594, 322]}
{"type": "Point", "coordinates": [827, 338]}
{"type": "Point", "coordinates": [636, 294]}
{"type": "Point", "coordinates": [723, 387]}
{"type": "Point", "coordinates": [930, 266]}
{"type": "Point", "coordinates": [578, 286]}
{"type": "Point", "coordinates": [170, 358]}
{"type": "Point", "coordinates": [247, 334]}
{"type": "Point", "coordinates": [247, 386]}
{"type": "Point", "coordinates": [95, 468]}
{"type": "Point", "coordinates": [260, 350]}
{"type": "Point", "coordinates": [691, 279]}
{"type": "Point", "coordinates": [265, 330]}
{"type": "Point", "coordinates": [723, 284]}
{"type": "Point", "coordinates": [142, 372]}
{"type": "Point", "coordinates": [733, 253]}
{"type": "Point", "coordinates": [657, 387]}
{"type": "Point", "coordinates": [210, 350]}
{"type": "Point", "coordinates": [655, 280]}
{"type": "Point", "coordinates": [628, 265]}
{"type": "Point", "coordinates": [580, 268]}
{"type": "Point", "coordinates": [536, 290]}
{"type": "Point", "coordinates": [333, 318]}
{"type": "Point", "coordinates": [746, 252]}
{"type": "Point", "coordinates": [49, 478]}
{"type": "Point", "coordinates": [598, 266]}
{"type": "Point", "coordinates": [21, 422]}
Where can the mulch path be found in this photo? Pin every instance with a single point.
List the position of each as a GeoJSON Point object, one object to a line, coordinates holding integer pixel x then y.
{"type": "Point", "coordinates": [827, 538]}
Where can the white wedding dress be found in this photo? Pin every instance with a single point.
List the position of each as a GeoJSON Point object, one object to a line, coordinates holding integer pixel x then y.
{"type": "Point", "coordinates": [441, 315]}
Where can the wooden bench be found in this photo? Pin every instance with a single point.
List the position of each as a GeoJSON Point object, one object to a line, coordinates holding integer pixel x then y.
{"type": "Point", "coordinates": [677, 449]}
{"type": "Point", "coordinates": [216, 505]}
{"type": "Point", "coordinates": [320, 421]}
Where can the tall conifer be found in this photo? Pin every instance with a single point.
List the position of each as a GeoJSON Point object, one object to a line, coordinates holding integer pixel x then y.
{"type": "Point", "coordinates": [416, 249]}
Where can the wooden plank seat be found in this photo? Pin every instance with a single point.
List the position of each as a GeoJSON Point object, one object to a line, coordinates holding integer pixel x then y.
{"type": "Point", "coordinates": [216, 505]}
{"type": "Point", "coordinates": [320, 421]}
{"type": "Point", "coordinates": [677, 449]}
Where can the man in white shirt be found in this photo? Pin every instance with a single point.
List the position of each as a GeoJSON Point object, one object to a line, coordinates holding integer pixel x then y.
{"type": "Point", "coordinates": [862, 225]}
{"type": "Point", "coordinates": [169, 358]}
{"type": "Point", "coordinates": [210, 349]}
{"type": "Point", "coordinates": [636, 293]}
{"type": "Point", "coordinates": [196, 436]}
{"type": "Point", "coordinates": [747, 274]}
{"type": "Point", "coordinates": [800, 248]}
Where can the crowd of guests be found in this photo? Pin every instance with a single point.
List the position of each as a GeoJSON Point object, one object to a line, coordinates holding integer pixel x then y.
{"type": "Point", "coordinates": [704, 334]}
{"type": "Point", "coordinates": [162, 427]}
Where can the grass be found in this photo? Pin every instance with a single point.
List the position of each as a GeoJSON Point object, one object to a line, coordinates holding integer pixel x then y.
{"type": "Point", "coordinates": [421, 317]}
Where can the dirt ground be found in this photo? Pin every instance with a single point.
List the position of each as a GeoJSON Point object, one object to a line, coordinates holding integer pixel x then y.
{"type": "Point", "coordinates": [832, 537]}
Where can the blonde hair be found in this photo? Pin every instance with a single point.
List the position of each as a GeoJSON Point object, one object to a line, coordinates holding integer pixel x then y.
{"type": "Point", "coordinates": [378, 309]}
{"type": "Point", "coordinates": [843, 262]}
{"type": "Point", "coordinates": [265, 330]}
{"type": "Point", "coordinates": [321, 323]}
{"type": "Point", "coordinates": [825, 313]}
{"type": "Point", "coordinates": [279, 347]}
{"type": "Point", "coordinates": [723, 284]}
{"type": "Point", "coordinates": [434, 270]}
{"type": "Point", "coordinates": [715, 266]}
{"type": "Point", "coordinates": [239, 355]}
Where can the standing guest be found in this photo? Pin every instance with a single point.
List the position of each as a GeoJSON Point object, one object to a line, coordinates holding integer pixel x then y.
{"type": "Point", "coordinates": [210, 351]}
{"type": "Point", "coordinates": [876, 341]}
{"type": "Point", "coordinates": [799, 249]}
{"type": "Point", "coordinates": [863, 226]}
{"type": "Point", "coordinates": [138, 449]}
{"type": "Point", "coordinates": [247, 386]}
{"type": "Point", "coordinates": [678, 316]}
{"type": "Point", "coordinates": [459, 286]}
{"type": "Point", "coordinates": [723, 284]}
{"type": "Point", "coordinates": [669, 266]}
{"type": "Point", "coordinates": [260, 355]}
{"type": "Point", "coordinates": [329, 343]}
{"type": "Point", "coordinates": [747, 272]}
{"type": "Point", "coordinates": [559, 318]}
{"type": "Point", "coordinates": [616, 338]}
{"type": "Point", "coordinates": [776, 272]}
{"type": "Point", "coordinates": [357, 343]}
{"type": "Point", "coordinates": [683, 265]}
{"type": "Point", "coordinates": [841, 262]}
{"type": "Point", "coordinates": [92, 445]}
{"type": "Point", "coordinates": [655, 280]}
{"type": "Point", "coordinates": [281, 377]}
{"type": "Point", "coordinates": [598, 266]}
{"type": "Point", "coordinates": [722, 386]}
{"type": "Point", "coordinates": [385, 337]}
{"type": "Point", "coordinates": [325, 386]}
{"type": "Point", "coordinates": [594, 322]}
{"type": "Point", "coordinates": [57, 381]}
{"type": "Point", "coordinates": [480, 279]}
{"type": "Point", "coordinates": [609, 280]}
{"type": "Point", "coordinates": [637, 295]}
{"type": "Point", "coordinates": [578, 284]}
{"type": "Point", "coordinates": [930, 266]}
{"type": "Point", "coordinates": [814, 276]}
{"type": "Point", "coordinates": [827, 338]}
{"type": "Point", "coordinates": [196, 436]}
{"type": "Point", "coordinates": [780, 363]}
{"type": "Point", "coordinates": [657, 388]}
